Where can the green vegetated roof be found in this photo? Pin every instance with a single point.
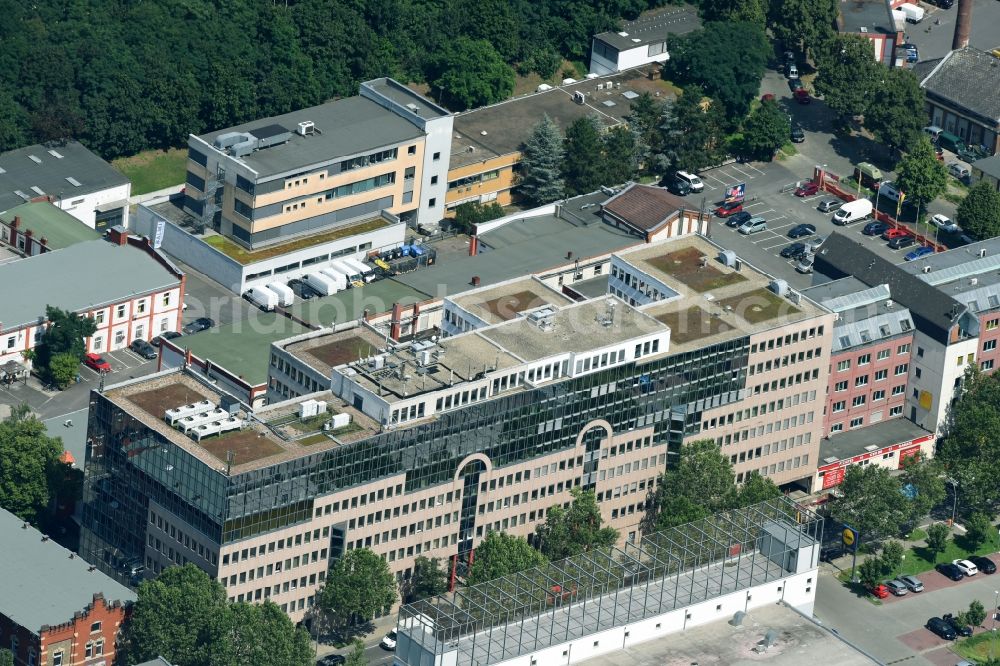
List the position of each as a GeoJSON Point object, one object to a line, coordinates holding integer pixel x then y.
{"type": "Point", "coordinates": [47, 221]}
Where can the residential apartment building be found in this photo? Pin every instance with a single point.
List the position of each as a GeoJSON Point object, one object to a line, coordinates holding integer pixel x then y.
{"type": "Point", "coordinates": [320, 168]}
{"type": "Point", "coordinates": [55, 608]}
{"type": "Point", "coordinates": [130, 291]}
{"type": "Point", "coordinates": [431, 444]}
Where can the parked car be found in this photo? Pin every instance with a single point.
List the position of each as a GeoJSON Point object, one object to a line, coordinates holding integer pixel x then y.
{"type": "Point", "coordinates": [692, 180]}
{"type": "Point", "coordinates": [792, 71]}
{"type": "Point", "coordinates": [801, 231]}
{"type": "Point", "coordinates": [941, 628]}
{"type": "Point", "coordinates": [950, 571]}
{"type": "Point", "coordinates": [814, 243]}
{"type": "Point", "coordinates": [802, 96]}
{"type": "Point", "coordinates": [729, 208]}
{"type": "Point", "coordinates": [880, 591]}
{"type": "Point", "coordinates": [912, 583]}
{"type": "Point", "coordinates": [739, 218]}
{"type": "Point", "coordinates": [807, 189]}
{"type": "Point", "coordinates": [967, 567]}
{"type": "Point", "coordinates": [944, 223]}
{"type": "Point", "coordinates": [798, 134]}
{"type": "Point", "coordinates": [960, 628]}
{"type": "Point", "coordinates": [331, 660]}
{"type": "Point", "coordinates": [899, 242]}
{"type": "Point", "coordinates": [143, 348]}
{"type": "Point", "coordinates": [805, 265]}
{"type": "Point", "coordinates": [891, 234]}
{"type": "Point", "coordinates": [198, 325]}
{"type": "Point", "coordinates": [793, 251]}
{"type": "Point", "coordinates": [96, 363]}
{"type": "Point", "coordinates": [767, 97]}
{"type": "Point", "coordinates": [889, 190]}
{"type": "Point", "coordinates": [830, 553]}
{"type": "Point", "coordinates": [166, 335]}
{"type": "Point", "coordinates": [984, 564]}
{"type": "Point", "coordinates": [389, 640]}
{"type": "Point", "coordinates": [875, 229]}
{"type": "Point", "coordinates": [679, 187]}
{"type": "Point", "coordinates": [829, 205]}
{"type": "Point", "coordinates": [752, 226]}
{"type": "Point", "coordinates": [896, 587]}
{"type": "Point", "coordinates": [302, 289]}
{"type": "Point", "coordinates": [920, 252]}
{"type": "Point", "coordinates": [795, 84]}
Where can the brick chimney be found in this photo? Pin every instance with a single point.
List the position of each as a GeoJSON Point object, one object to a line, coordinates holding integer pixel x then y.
{"type": "Point", "coordinates": [118, 235]}
{"type": "Point", "coordinates": [394, 328]}
{"type": "Point", "coordinates": [963, 25]}
{"type": "Point", "coordinates": [15, 224]}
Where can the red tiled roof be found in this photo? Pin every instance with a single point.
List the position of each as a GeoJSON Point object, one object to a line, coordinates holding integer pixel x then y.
{"type": "Point", "coordinates": [644, 207]}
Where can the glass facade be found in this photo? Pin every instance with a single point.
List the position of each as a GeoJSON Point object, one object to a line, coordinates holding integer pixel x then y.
{"type": "Point", "coordinates": [132, 464]}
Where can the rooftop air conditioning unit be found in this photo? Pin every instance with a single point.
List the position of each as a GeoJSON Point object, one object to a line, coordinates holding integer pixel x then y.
{"type": "Point", "coordinates": [579, 97]}
{"type": "Point", "coordinates": [306, 127]}
{"type": "Point", "coordinates": [927, 269]}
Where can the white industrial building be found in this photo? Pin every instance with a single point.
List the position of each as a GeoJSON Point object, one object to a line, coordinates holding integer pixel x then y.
{"type": "Point", "coordinates": [642, 41]}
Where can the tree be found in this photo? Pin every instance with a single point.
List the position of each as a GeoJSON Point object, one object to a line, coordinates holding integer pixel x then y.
{"type": "Point", "coordinates": [979, 212]}
{"type": "Point", "coordinates": [64, 335]}
{"type": "Point", "coordinates": [582, 168]}
{"type": "Point", "coordinates": [622, 155]}
{"type": "Point", "coordinates": [803, 24]}
{"type": "Point", "coordinates": [356, 657]}
{"type": "Point", "coordinates": [500, 554]}
{"type": "Point", "coordinates": [979, 528]}
{"type": "Point", "coordinates": [691, 135]}
{"type": "Point", "coordinates": [849, 75]}
{"type": "Point", "coordinates": [870, 572]}
{"type": "Point", "coordinates": [976, 613]}
{"type": "Point", "coordinates": [471, 213]}
{"type": "Point", "coordinates": [892, 119]}
{"type": "Point", "coordinates": [749, 11]}
{"type": "Point", "coordinates": [891, 557]}
{"type": "Point", "coordinates": [244, 633]}
{"type": "Point", "coordinates": [577, 530]}
{"type": "Point", "coordinates": [63, 368]}
{"type": "Point", "coordinates": [6, 658]}
{"type": "Point", "coordinates": [699, 485]}
{"type": "Point", "coordinates": [541, 164]}
{"type": "Point", "coordinates": [872, 502]}
{"type": "Point", "coordinates": [732, 74]}
{"type": "Point", "coordinates": [428, 579]}
{"type": "Point", "coordinates": [920, 174]}
{"type": "Point", "coordinates": [645, 117]}
{"type": "Point", "coordinates": [29, 464]}
{"type": "Point", "coordinates": [756, 489]}
{"type": "Point", "coordinates": [766, 130]}
{"type": "Point", "coordinates": [923, 482]}
{"type": "Point", "coordinates": [471, 74]}
{"type": "Point", "coordinates": [970, 450]}
{"type": "Point", "coordinates": [358, 587]}
{"type": "Point", "coordinates": [937, 538]}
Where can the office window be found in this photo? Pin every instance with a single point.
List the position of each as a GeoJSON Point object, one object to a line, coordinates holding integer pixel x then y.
{"type": "Point", "coordinates": [57, 658]}
{"type": "Point", "coordinates": [839, 406]}
{"type": "Point", "coordinates": [844, 365]}
{"type": "Point", "coordinates": [858, 422]}
{"type": "Point", "coordinates": [120, 311]}
{"type": "Point", "coordinates": [99, 648]}
{"type": "Point", "coordinates": [434, 180]}
{"type": "Point", "coordinates": [896, 411]}
{"type": "Point", "coordinates": [989, 345]}
{"type": "Point", "coordinates": [432, 202]}
{"type": "Point", "coordinates": [881, 374]}
{"type": "Point", "coordinates": [992, 324]}
{"type": "Point", "coordinates": [898, 390]}
{"type": "Point", "coordinates": [95, 627]}
{"type": "Point", "coordinates": [864, 359]}
{"type": "Point", "coordinates": [437, 156]}
{"type": "Point", "coordinates": [987, 365]}
{"type": "Point", "coordinates": [882, 355]}
{"type": "Point", "coordinates": [858, 401]}
{"type": "Point", "coordinates": [411, 150]}
{"type": "Point", "coordinates": [841, 386]}
{"type": "Point", "coordinates": [99, 317]}
{"type": "Point", "coordinates": [878, 395]}
{"type": "Point", "coordinates": [837, 427]}
{"type": "Point", "coordinates": [903, 349]}
{"type": "Point", "coordinates": [901, 369]}
{"type": "Point", "coordinates": [861, 381]}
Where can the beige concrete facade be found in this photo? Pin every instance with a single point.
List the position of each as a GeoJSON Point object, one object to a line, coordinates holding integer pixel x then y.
{"type": "Point", "coordinates": [490, 180]}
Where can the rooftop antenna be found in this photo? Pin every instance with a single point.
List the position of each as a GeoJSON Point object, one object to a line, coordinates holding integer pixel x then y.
{"type": "Point", "coordinates": [451, 376]}
{"type": "Point", "coordinates": [230, 458]}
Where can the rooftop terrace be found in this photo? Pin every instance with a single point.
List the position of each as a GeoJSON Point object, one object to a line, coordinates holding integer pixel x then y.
{"type": "Point", "coordinates": [505, 301]}
{"type": "Point", "coordinates": [326, 351]}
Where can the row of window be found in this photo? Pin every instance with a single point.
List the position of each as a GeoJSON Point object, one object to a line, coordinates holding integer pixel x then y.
{"type": "Point", "coordinates": [859, 421]}
{"type": "Point", "coordinates": [791, 380]}
{"type": "Point", "coordinates": [865, 359]}
{"type": "Point", "coordinates": [288, 564]}
{"type": "Point", "coordinates": [766, 366]}
{"type": "Point", "coordinates": [639, 284]}
{"type": "Point", "coordinates": [767, 428]}
{"type": "Point", "coordinates": [768, 449]}
{"type": "Point", "coordinates": [785, 340]}
{"type": "Point", "coordinates": [860, 400]}
{"type": "Point", "coordinates": [265, 592]}
{"type": "Point", "coordinates": [757, 410]}
{"type": "Point", "coordinates": [791, 463]}
{"type": "Point", "coordinates": [182, 539]}
{"type": "Point", "coordinates": [253, 551]}
{"type": "Point", "coordinates": [469, 181]}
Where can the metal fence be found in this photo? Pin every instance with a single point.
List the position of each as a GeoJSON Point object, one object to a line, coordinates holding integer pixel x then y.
{"type": "Point", "coordinates": [597, 590]}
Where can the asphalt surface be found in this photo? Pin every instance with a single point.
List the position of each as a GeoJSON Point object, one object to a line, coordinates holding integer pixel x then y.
{"type": "Point", "coordinates": [933, 40]}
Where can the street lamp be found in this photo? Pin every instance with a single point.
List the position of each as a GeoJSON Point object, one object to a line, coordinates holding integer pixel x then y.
{"type": "Point", "coordinates": [993, 629]}
{"type": "Point", "coordinates": [954, 501]}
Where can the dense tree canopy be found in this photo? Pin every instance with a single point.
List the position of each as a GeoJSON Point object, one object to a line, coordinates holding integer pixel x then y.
{"type": "Point", "coordinates": [970, 450]}
{"type": "Point", "coordinates": [803, 24]}
{"type": "Point", "coordinates": [62, 348]}
{"type": "Point", "coordinates": [470, 73]}
{"type": "Point", "coordinates": [358, 588]}
{"type": "Point", "coordinates": [428, 579]}
{"type": "Point", "coordinates": [979, 212]}
{"type": "Point", "coordinates": [921, 174]}
{"type": "Point", "coordinates": [568, 532]}
{"type": "Point", "coordinates": [765, 130]}
{"type": "Point", "coordinates": [690, 135]}
{"type": "Point", "coordinates": [892, 120]}
{"type": "Point", "coordinates": [872, 502]}
{"type": "Point", "coordinates": [541, 164]}
{"type": "Point", "coordinates": [849, 75]}
{"type": "Point", "coordinates": [30, 470]}
{"type": "Point", "coordinates": [500, 554]}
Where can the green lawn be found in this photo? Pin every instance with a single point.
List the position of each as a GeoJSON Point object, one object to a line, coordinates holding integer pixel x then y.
{"type": "Point", "coordinates": [154, 170]}
{"type": "Point", "coordinates": [976, 648]}
{"type": "Point", "coordinates": [918, 559]}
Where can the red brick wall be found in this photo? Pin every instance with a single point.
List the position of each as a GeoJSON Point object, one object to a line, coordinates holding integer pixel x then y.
{"type": "Point", "coordinates": [851, 375]}
{"type": "Point", "coordinates": [73, 636]}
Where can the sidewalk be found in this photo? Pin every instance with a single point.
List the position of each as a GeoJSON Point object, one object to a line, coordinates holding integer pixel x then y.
{"type": "Point", "coordinates": [381, 626]}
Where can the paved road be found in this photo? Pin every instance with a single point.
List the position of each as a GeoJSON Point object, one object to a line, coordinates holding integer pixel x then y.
{"type": "Point", "coordinates": [934, 41]}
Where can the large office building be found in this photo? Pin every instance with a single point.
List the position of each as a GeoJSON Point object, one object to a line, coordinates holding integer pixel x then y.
{"type": "Point", "coordinates": [423, 447]}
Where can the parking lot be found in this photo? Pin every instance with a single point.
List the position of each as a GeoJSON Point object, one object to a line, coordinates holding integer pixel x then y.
{"type": "Point", "coordinates": [894, 631]}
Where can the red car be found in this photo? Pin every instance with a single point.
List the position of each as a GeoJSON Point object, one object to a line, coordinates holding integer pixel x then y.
{"type": "Point", "coordinates": [807, 189]}
{"type": "Point", "coordinates": [95, 362]}
{"type": "Point", "coordinates": [729, 208]}
{"type": "Point", "coordinates": [880, 591]}
{"type": "Point", "coordinates": [767, 97]}
{"type": "Point", "coordinates": [889, 234]}
{"type": "Point", "coordinates": [802, 96]}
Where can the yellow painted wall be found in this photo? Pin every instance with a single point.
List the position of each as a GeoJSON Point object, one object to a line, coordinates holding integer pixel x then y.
{"type": "Point", "coordinates": [502, 185]}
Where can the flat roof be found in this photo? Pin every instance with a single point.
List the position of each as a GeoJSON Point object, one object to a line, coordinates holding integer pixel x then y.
{"type": "Point", "coordinates": [989, 165]}
{"type": "Point", "coordinates": [256, 445]}
{"type": "Point", "coordinates": [501, 129]}
{"type": "Point", "coordinates": [60, 169]}
{"type": "Point", "coordinates": [525, 246]}
{"type": "Point", "coordinates": [406, 96]}
{"type": "Point", "coordinates": [505, 301]}
{"type": "Point", "coordinates": [77, 278]}
{"type": "Point", "coordinates": [350, 304]}
{"type": "Point", "coordinates": [652, 26]}
{"type": "Point", "coordinates": [242, 347]}
{"type": "Point", "coordinates": [843, 445]}
{"type": "Point", "coordinates": [591, 288]}
{"type": "Point", "coordinates": [44, 583]}
{"type": "Point", "coordinates": [871, 15]}
{"type": "Point", "coordinates": [326, 350]}
{"type": "Point", "coordinates": [56, 226]}
{"type": "Point", "coordinates": [346, 127]}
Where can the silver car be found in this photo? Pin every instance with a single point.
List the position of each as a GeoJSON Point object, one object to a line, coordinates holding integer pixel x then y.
{"type": "Point", "coordinates": [829, 205]}
{"type": "Point", "coordinates": [912, 583]}
{"type": "Point", "coordinates": [896, 587]}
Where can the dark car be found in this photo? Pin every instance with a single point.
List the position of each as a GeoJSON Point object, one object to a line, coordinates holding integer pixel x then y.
{"type": "Point", "coordinates": [331, 660]}
{"type": "Point", "coordinates": [729, 208]}
{"type": "Point", "coordinates": [944, 4]}
{"type": "Point", "coordinates": [899, 242]}
{"type": "Point", "coordinates": [166, 335]}
{"type": "Point", "coordinates": [984, 564]}
{"type": "Point", "coordinates": [802, 96]}
{"type": "Point", "coordinates": [143, 348]}
{"type": "Point", "coordinates": [960, 629]}
{"type": "Point", "coordinates": [941, 628]}
{"type": "Point", "coordinates": [739, 218]}
{"type": "Point", "coordinates": [830, 553]}
{"type": "Point", "coordinates": [875, 228]}
{"type": "Point", "coordinates": [798, 135]}
{"type": "Point", "coordinates": [806, 189]}
{"type": "Point", "coordinates": [301, 289]}
{"type": "Point", "coordinates": [801, 231]}
{"type": "Point", "coordinates": [198, 325]}
{"type": "Point", "coordinates": [679, 187]}
{"type": "Point", "coordinates": [794, 251]}
{"type": "Point", "coordinates": [950, 570]}
{"type": "Point", "coordinates": [795, 84]}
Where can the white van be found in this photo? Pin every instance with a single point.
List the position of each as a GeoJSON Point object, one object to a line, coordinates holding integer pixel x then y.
{"type": "Point", "coordinates": [262, 297]}
{"type": "Point", "coordinates": [913, 13]}
{"type": "Point", "coordinates": [285, 294]}
{"type": "Point", "coordinates": [933, 131]}
{"type": "Point", "coordinates": [753, 225]}
{"type": "Point", "coordinates": [853, 211]}
{"type": "Point", "coordinates": [322, 284]}
{"type": "Point", "coordinates": [692, 180]}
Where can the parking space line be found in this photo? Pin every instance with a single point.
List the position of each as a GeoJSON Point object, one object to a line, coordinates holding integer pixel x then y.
{"type": "Point", "coordinates": [771, 247]}
{"type": "Point", "coordinates": [753, 168]}
{"type": "Point", "coordinates": [745, 174]}
{"type": "Point", "coordinates": [808, 199]}
{"type": "Point", "coordinates": [708, 175]}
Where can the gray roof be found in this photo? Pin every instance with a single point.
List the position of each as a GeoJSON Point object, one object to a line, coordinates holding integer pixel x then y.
{"type": "Point", "coordinates": [400, 94]}
{"type": "Point", "coordinates": [872, 15]}
{"type": "Point", "coordinates": [853, 442]}
{"type": "Point", "coordinates": [865, 314]}
{"type": "Point", "coordinates": [159, 661]}
{"type": "Point", "coordinates": [963, 79]}
{"type": "Point", "coordinates": [989, 165]}
{"type": "Point", "coordinates": [78, 278]}
{"type": "Point", "coordinates": [525, 246]}
{"type": "Point", "coordinates": [963, 274]}
{"type": "Point", "coordinates": [51, 174]}
{"type": "Point", "coordinates": [652, 27]}
{"type": "Point", "coordinates": [934, 312]}
{"type": "Point", "coordinates": [44, 583]}
{"type": "Point", "coordinates": [346, 127]}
